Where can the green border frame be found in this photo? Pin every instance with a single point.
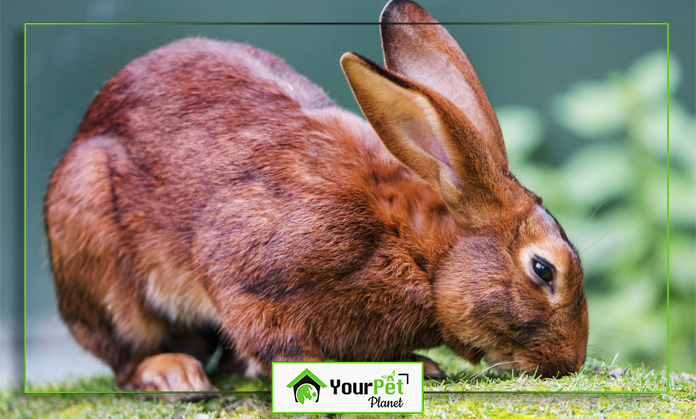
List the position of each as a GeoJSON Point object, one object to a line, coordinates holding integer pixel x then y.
{"type": "Point", "coordinates": [374, 412]}
{"type": "Point", "coordinates": [27, 24]}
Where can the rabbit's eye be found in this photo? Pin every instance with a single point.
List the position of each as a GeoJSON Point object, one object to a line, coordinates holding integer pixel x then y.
{"type": "Point", "coordinates": [543, 271]}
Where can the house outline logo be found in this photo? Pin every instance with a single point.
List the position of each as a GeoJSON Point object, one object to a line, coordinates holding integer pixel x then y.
{"type": "Point", "coordinates": [306, 387]}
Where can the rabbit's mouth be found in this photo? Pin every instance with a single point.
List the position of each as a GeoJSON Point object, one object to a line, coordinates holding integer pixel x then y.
{"type": "Point", "coordinates": [536, 364]}
{"type": "Point", "coordinates": [512, 364]}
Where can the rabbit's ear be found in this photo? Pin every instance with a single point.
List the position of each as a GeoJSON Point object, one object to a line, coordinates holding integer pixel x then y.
{"type": "Point", "coordinates": [430, 136]}
{"type": "Point", "coordinates": [428, 55]}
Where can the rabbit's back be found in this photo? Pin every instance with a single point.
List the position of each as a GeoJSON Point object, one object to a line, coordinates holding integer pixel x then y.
{"type": "Point", "coordinates": [227, 180]}
{"type": "Point", "coordinates": [204, 126]}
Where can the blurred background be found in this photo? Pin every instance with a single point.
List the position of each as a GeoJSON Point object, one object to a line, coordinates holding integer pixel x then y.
{"type": "Point", "coordinates": [583, 110]}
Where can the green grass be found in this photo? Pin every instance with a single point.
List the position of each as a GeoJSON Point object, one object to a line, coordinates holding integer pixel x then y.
{"type": "Point", "coordinates": [595, 376]}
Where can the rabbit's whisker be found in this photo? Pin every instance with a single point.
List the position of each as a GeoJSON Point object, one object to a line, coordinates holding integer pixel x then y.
{"type": "Point", "coordinates": [592, 216]}
{"type": "Point", "coordinates": [597, 241]}
{"type": "Point", "coordinates": [489, 368]}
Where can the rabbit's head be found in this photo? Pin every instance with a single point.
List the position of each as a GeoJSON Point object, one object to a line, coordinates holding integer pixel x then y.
{"type": "Point", "coordinates": [510, 289]}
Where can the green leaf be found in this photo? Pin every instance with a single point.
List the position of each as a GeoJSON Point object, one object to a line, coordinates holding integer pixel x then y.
{"type": "Point", "coordinates": [523, 130]}
{"type": "Point", "coordinates": [682, 199]}
{"type": "Point", "coordinates": [682, 265]}
{"type": "Point", "coordinates": [648, 76]}
{"type": "Point", "coordinates": [592, 109]}
{"type": "Point", "coordinates": [598, 172]}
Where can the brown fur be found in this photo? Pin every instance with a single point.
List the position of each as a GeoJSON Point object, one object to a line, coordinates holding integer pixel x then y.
{"type": "Point", "coordinates": [210, 186]}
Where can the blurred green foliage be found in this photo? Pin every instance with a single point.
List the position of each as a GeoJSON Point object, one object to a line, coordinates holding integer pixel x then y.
{"type": "Point", "coordinates": [610, 195]}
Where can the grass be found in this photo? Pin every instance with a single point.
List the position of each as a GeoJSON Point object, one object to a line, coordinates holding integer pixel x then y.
{"type": "Point", "coordinates": [595, 376]}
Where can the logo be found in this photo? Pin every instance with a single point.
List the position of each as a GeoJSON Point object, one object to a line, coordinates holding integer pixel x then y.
{"type": "Point", "coordinates": [347, 387]}
{"type": "Point", "coordinates": [306, 387]}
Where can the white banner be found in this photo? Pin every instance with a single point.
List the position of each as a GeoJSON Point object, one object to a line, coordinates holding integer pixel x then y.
{"type": "Point", "coordinates": [347, 387]}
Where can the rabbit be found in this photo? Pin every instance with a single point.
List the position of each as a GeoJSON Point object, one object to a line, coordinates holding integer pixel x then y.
{"type": "Point", "coordinates": [213, 194]}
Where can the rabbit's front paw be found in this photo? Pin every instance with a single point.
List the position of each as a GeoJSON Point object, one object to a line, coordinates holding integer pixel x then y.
{"type": "Point", "coordinates": [431, 369]}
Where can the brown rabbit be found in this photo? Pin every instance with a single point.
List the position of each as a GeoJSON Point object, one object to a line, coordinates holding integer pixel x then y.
{"type": "Point", "coordinates": [212, 191]}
